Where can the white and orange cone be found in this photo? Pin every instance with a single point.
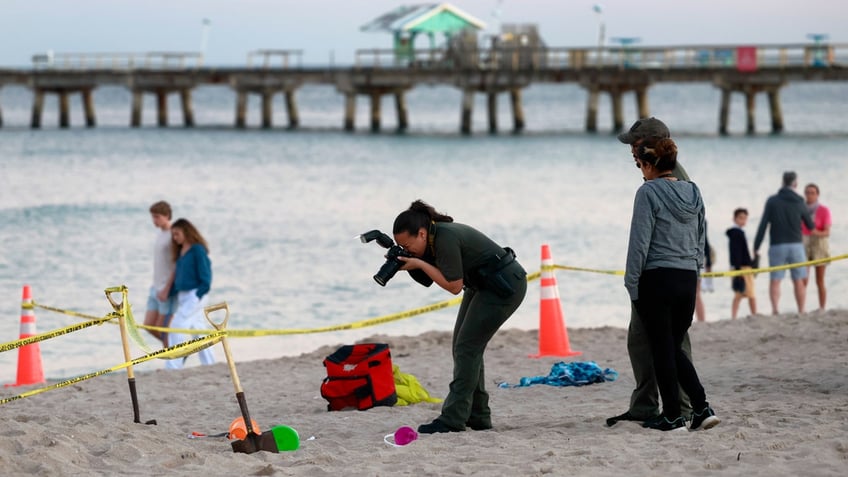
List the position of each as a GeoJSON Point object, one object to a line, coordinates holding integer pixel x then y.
{"type": "Point", "coordinates": [30, 370]}
{"type": "Point", "coordinates": [553, 336]}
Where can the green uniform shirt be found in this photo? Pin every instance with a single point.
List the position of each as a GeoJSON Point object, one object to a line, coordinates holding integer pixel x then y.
{"type": "Point", "coordinates": [460, 248]}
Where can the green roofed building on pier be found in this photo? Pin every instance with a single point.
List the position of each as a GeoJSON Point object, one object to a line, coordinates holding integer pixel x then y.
{"type": "Point", "coordinates": [407, 22]}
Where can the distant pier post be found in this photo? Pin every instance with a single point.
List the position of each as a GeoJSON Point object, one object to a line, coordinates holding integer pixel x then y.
{"type": "Point", "coordinates": [291, 109]}
{"type": "Point", "coordinates": [241, 109]}
{"type": "Point", "coordinates": [188, 111]}
{"type": "Point", "coordinates": [88, 108]}
{"type": "Point", "coordinates": [375, 111]}
{"type": "Point", "coordinates": [402, 112]}
{"type": "Point", "coordinates": [617, 111]}
{"type": "Point", "coordinates": [517, 110]}
{"type": "Point", "coordinates": [64, 110]}
{"type": "Point", "coordinates": [267, 109]}
{"type": "Point", "coordinates": [642, 102]}
{"type": "Point", "coordinates": [592, 110]}
{"type": "Point", "coordinates": [493, 112]}
{"type": "Point", "coordinates": [750, 111]}
{"type": "Point", "coordinates": [724, 111]}
{"type": "Point", "coordinates": [350, 111]}
{"type": "Point", "coordinates": [135, 114]}
{"type": "Point", "coordinates": [162, 108]}
{"type": "Point", "coordinates": [37, 107]}
{"type": "Point", "coordinates": [467, 108]}
{"type": "Point", "coordinates": [775, 109]}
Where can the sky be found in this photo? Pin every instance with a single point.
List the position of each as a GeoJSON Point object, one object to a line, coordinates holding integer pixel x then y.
{"type": "Point", "coordinates": [329, 30]}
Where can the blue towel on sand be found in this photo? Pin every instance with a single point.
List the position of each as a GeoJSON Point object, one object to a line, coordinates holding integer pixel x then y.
{"type": "Point", "coordinates": [569, 374]}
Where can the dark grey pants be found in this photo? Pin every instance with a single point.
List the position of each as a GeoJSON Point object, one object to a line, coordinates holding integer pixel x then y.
{"type": "Point", "coordinates": [480, 315]}
{"type": "Point", "coordinates": [644, 402]}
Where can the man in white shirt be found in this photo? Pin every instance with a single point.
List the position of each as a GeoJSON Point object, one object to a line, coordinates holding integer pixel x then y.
{"type": "Point", "coordinates": [159, 305]}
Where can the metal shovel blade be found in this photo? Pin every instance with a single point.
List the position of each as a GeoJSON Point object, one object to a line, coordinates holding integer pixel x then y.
{"type": "Point", "coordinates": [255, 443]}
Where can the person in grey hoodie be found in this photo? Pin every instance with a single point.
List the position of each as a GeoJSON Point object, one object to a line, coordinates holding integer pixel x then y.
{"type": "Point", "coordinates": [664, 255]}
{"type": "Point", "coordinates": [785, 211]}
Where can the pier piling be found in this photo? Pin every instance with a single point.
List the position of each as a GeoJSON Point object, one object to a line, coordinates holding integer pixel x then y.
{"type": "Point", "coordinates": [188, 110]}
{"type": "Point", "coordinates": [64, 110]}
{"type": "Point", "coordinates": [724, 111]}
{"type": "Point", "coordinates": [750, 112]}
{"type": "Point", "coordinates": [350, 111]}
{"type": "Point", "coordinates": [493, 112]}
{"type": "Point", "coordinates": [161, 108]}
{"type": "Point", "coordinates": [592, 110]}
{"type": "Point", "coordinates": [267, 109]}
{"type": "Point", "coordinates": [402, 112]}
{"type": "Point", "coordinates": [137, 104]}
{"type": "Point", "coordinates": [88, 108]}
{"type": "Point", "coordinates": [467, 108]}
{"type": "Point", "coordinates": [517, 110]}
{"type": "Point", "coordinates": [291, 109]}
{"type": "Point", "coordinates": [37, 107]}
{"type": "Point", "coordinates": [617, 112]}
{"type": "Point", "coordinates": [776, 111]}
{"type": "Point", "coordinates": [241, 109]}
{"type": "Point", "coordinates": [375, 111]}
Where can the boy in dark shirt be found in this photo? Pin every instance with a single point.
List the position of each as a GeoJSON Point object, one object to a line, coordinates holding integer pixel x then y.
{"type": "Point", "coordinates": [740, 259]}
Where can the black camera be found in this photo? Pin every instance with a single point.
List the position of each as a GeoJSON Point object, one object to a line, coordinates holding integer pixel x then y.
{"type": "Point", "coordinates": [392, 265]}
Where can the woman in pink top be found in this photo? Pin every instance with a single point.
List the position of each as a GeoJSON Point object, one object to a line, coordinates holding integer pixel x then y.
{"type": "Point", "coordinates": [816, 241]}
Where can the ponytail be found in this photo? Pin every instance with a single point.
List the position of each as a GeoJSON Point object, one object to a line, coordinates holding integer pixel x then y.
{"type": "Point", "coordinates": [419, 215]}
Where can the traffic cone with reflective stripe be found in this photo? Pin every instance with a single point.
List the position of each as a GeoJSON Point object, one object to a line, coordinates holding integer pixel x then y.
{"type": "Point", "coordinates": [553, 337]}
{"type": "Point", "coordinates": [29, 356]}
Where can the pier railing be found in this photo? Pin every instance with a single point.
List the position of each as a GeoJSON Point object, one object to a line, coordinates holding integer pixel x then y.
{"type": "Point", "coordinates": [117, 61]}
{"type": "Point", "coordinates": [275, 59]}
{"type": "Point", "coordinates": [693, 56]}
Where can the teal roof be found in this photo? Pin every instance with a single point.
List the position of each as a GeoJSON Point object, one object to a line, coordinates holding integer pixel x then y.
{"type": "Point", "coordinates": [431, 18]}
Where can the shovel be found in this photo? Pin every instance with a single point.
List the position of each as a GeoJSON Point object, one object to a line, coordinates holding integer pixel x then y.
{"type": "Point", "coordinates": [121, 311]}
{"type": "Point", "coordinates": [252, 442]}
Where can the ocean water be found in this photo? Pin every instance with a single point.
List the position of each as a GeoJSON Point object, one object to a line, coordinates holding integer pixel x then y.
{"type": "Point", "coordinates": [282, 209]}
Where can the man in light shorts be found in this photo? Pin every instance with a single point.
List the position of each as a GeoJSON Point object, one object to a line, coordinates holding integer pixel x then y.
{"type": "Point", "coordinates": [783, 215]}
{"type": "Point", "coordinates": [160, 306]}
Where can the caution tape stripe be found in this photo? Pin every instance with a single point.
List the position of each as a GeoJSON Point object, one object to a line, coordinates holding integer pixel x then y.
{"type": "Point", "coordinates": [52, 334]}
{"type": "Point", "coordinates": [174, 351]}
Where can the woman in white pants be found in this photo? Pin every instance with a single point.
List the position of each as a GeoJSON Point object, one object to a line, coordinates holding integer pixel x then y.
{"type": "Point", "coordinates": [192, 280]}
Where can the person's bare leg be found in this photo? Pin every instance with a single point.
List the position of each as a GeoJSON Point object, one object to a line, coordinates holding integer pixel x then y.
{"type": "Point", "coordinates": [700, 313]}
{"type": "Point", "coordinates": [800, 294]}
{"type": "Point", "coordinates": [734, 306]}
{"type": "Point", "coordinates": [752, 302]}
{"type": "Point", "coordinates": [822, 288]}
{"type": "Point", "coordinates": [150, 319]}
{"type": "Point", "coordinates": [774, 295]}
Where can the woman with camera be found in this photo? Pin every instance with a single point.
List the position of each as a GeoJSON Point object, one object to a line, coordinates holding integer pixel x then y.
{"type": "Point", "coordinates": [457, 257]}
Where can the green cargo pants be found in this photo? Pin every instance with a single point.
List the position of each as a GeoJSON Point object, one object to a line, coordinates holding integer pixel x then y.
{"type": "Point", "coordinates": [480, 315]}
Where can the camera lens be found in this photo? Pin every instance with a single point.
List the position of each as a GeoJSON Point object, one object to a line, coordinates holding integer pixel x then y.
{"type": "Point", "coordinates": [387, 271]}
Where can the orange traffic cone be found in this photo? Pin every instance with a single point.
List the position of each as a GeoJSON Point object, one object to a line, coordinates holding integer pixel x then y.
{"type": "Point", "coordinates": [553, 337]}
{"type": "Point", "coordinates": [29, 356]}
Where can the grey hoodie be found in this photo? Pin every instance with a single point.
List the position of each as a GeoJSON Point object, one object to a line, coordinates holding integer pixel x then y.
{"type": "Point", "coordinates": [667, 230]}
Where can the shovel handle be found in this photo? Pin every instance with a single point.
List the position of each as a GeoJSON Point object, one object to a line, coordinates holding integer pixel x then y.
{"type": "Point", "coordinates": [109, 291]}
{"type": "Point", "coordinates": [220, 306]}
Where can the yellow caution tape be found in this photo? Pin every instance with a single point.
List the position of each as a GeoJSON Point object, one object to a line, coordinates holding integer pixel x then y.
{"type": "Point", "coordinates": [52, 334]}
{"type": "Point", "coordinates": [179, 350]}
{"type": "Point", "coordinates": [59, 310]}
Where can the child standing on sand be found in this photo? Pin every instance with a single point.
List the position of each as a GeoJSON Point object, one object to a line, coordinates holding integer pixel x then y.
{"type": "Point", "coordinates": [740, 259]}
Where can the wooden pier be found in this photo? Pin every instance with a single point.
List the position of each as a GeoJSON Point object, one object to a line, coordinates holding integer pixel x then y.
{"type": "Point", "coordinates": [747, 70]}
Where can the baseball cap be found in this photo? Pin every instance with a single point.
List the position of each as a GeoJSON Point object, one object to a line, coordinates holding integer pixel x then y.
{"type": "Point", "coordinates": [645, 128]}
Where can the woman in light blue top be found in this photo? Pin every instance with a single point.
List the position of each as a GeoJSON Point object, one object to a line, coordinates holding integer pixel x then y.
{"type": "Point", "coordinates": [667, 240]}
{"type": "Point", "coordinates": [192, 280]}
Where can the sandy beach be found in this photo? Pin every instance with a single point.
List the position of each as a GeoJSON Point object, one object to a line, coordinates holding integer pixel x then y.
{"type": "Point", "coordinates": [779, 384]}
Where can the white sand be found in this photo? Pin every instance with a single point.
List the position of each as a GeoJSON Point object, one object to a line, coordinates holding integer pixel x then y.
{"type": "Point", "coordinates": [779, 384]}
